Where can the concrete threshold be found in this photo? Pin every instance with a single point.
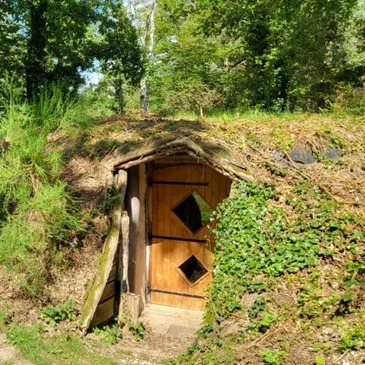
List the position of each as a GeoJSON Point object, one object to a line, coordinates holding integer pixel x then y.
{"type": "Point", "coordinates": [171, 321]}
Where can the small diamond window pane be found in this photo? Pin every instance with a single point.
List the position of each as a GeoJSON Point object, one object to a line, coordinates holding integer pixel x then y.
{"type": "Point", "coordinates": [194, 212]}
{"type": "Point", "coordinates": [192, 269]}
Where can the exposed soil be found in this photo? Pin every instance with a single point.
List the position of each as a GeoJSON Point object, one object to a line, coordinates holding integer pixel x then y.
{"type": "Point", "coordinates": [9, 354]}
{"type": "Point", "coordinates": [152, 350]}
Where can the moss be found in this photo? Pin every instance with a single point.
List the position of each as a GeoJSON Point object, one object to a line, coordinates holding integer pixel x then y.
{"type": "Point", "coordinates": [101, 274]}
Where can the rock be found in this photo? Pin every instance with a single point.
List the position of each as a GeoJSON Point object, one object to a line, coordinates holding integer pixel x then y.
{"type": "Point", "coordinates": [249, 299]}
{"type": "Point", "coordinates": [279, 157]}
{"type": "Point", "coordinates": [333, 152]}
{"type": "Point", "coordinates": [302, 153]}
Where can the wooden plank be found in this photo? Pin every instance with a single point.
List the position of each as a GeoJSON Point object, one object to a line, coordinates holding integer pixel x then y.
{"type": "Point", "coordinates": [113, 275]}
{"type": "Point", "coordinates": [106, 259]}
{"type": "Point", "coordinates": [116, 257]}
{"type": "Point", "coordinates": [124, 262]}
{"type": "Point", "coordinates": [104, 313]}
{"type": "Point", "coordinates": [178, 301]}
{"type": "Point", "coordinates": [109, 291]}
{"type": "Point", "coordinates": [124, 251]}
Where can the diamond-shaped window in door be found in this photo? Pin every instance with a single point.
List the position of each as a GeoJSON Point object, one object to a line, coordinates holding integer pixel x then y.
{"type": "Point", "coordinates": [194, 212]}
{"type": "Point", "coordinates": [192, 270]}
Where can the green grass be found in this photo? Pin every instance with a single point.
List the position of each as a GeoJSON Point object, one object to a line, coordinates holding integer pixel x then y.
{"type": "Point", "coordinates": [58, 349]}
{"type": "Point", "coordinates": [37, 214]}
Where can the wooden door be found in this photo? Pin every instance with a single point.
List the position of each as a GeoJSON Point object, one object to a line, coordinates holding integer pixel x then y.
{"type": "Point", "coordinates": [181, 254]}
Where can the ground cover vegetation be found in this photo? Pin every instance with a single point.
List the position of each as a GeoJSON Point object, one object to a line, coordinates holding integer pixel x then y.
{"type": "Point", "coordinates": [44, 349]}
{"type": "Point", "coordinates": [278, 276]}
{"type": "Point", "coordinates": [289, 266]}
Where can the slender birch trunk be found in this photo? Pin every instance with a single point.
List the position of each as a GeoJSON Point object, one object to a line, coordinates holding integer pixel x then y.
{"type": "Point", "coordinates": [143, 13]}
{"type": "Point", "coordinates": [148, 45]}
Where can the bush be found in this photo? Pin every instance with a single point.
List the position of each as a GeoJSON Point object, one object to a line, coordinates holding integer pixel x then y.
{"type": "Point", "coordinates": [351, 100]}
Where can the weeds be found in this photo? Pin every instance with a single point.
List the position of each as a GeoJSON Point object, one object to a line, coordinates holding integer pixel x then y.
{"type": "Point", "coordinates": [272, 357]}
{"type": "Point", "coordinates": [319, 361]}
{"type": "Point", "coordinates": [52, 315]}
{"type": "Point", "coordinates": [264, 322]}
{"type": "Point", "coordinates": [353, 339]}
{"type": "Point", "coordinates": [137, 329]}
{"type": "Point", "coordinates": [109, 334]}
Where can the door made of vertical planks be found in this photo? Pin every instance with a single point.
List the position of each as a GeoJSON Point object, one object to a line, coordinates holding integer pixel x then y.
{"type": "Point", "coordinates": [181, 254]}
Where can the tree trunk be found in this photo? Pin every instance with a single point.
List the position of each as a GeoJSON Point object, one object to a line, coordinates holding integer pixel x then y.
{"type": "Point", "coordinates": [143, 102]}
{"type": "Point", "coordinates": [35, 73]}
{"type": "Point", "coordinates": [119, 94]}
{"type": "Point", "coordinates": [148, 43]}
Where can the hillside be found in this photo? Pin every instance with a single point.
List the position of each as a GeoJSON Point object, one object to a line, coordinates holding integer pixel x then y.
{"type": "Point", "coordinates": [306, 304]}
{"type": "Point", "coordinates": [306, 313]}
{"type": "Point", "coordinates": [289, 267]}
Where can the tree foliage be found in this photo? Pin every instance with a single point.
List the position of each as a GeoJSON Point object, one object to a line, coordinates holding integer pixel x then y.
{"type": "Point", "coordinates": [49, 41]}
{"type": "Point", "coordinates": [278, 55]}
{"type": "Point", "coordinates": [118, 50]}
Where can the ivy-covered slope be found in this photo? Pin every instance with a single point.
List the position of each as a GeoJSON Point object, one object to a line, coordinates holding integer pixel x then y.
{"type": "Point", "coordinates": [289, 281]}
{"type": "Point", "coordinates": [289, 270]}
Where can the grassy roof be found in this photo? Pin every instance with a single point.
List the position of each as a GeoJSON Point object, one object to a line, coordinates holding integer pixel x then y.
{"type": "Point", "coordinates": [260, 147]}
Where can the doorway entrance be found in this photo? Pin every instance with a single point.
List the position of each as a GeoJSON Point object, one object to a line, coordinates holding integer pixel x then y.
{"type": "Point", "coordinates": [183, 198]}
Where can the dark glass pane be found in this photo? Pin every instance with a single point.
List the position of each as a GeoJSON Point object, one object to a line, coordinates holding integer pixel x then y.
{"type": "Point", "coordinates": [193, 269]}
{"type": "Point", "coordinates": [194, 212]}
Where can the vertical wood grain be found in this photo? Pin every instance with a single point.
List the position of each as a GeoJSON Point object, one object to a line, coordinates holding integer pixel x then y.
{"type": "Point", "coordinates": [167, 255]}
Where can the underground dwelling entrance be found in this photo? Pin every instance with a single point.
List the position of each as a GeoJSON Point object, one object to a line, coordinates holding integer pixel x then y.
{"type": "Point", "coordinates": [159, 251]}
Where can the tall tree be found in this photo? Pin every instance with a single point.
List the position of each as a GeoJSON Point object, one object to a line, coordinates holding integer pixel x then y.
{"type": "Point", "coordinates": [142, 13]}
{"type": "Point", "coordinates": [35, 63]}
{"type": "Point", "coordinates": [188, 64]}
{"type": "Point", "coordinates": [289, 52]}
{"type": "Point", "coordinates": [277, 55]}
{"type": "Point", "coordinates": [58, 39]}
{"type": "Point", "coordinates": [119, 51]}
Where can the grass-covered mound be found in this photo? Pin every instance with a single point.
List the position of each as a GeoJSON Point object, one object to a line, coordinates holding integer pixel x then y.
{"type": "Point", "coordinates": [289, 266]}
{"type": "Point", "coordinates": [289, 269]}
